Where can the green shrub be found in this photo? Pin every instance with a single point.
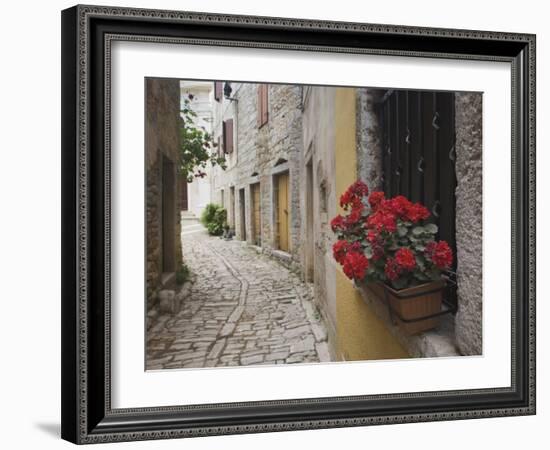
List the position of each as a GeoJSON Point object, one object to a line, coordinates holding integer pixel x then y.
{"type": "Point", "coordinates": [182, 274]}
{"type": "Point", "coordinates": [208, 213]}
{"type": "Point", "coordinates": [214, 218]}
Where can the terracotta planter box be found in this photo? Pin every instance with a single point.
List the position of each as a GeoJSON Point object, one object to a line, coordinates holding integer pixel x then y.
{"type": "Point", "coordinates": [413, 303]}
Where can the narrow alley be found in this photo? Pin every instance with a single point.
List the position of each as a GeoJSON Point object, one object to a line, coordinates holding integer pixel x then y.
{"type": "Point", "coordinates": [243, 308]}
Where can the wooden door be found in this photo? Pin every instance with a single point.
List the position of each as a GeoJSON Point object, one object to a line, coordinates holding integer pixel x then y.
{"type": "Point", "coordinates": [256, 211]}
{"type": "Point", "coordinates": [309, 223]}
{"type": "Point", "coordinates": [283, 212]}
{"type": "Point", "coordinates": [242, 206]}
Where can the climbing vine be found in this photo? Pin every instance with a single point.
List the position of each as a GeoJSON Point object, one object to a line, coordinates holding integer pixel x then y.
{"type": "Point", "coordinates": [198, 148]}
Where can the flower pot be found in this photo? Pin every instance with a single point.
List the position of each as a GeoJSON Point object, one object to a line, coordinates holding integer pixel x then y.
{"type": "Point", "coordinates": [409, 306]}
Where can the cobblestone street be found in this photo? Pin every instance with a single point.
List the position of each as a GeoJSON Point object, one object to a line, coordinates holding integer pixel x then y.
{"type": "Point", "coordinates": [243, 308]}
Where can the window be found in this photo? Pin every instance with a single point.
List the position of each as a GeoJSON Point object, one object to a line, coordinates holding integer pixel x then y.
{"type": "Point", "coordinates": [218, 91]}
{"type": "Point", "coordinates": [323, 197]}
{"type": "Point", "coordinates": [418, 155]}
{"type": "Point", "coordinates": [228, 136]}
{"type": "Point", "coordinates": [256, 213]}
{"type": "Point", "coordinates": [262, 104]}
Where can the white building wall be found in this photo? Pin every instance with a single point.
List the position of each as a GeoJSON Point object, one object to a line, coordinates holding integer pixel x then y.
{"type": "Point", "coordinates": [198, 192]}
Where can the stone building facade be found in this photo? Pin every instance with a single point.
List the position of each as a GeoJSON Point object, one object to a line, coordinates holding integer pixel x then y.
{"type": "Point", "coordinates": [162, 194]}
{"type": "Point", "coordinates": [343, 141]}
{"type": "Point", "coordinates": [325, 138]}
{"type": "Point", "coordinates": [260, 187]}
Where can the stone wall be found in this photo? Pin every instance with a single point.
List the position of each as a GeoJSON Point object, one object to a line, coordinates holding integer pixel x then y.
{"type": "Point", "coordinates": [161, 144]}
{"type": "Point", "coordinates": [469, 226]}
{"type": "Point", "coordinates": [369, 138]}
{"type": "Point", "coordinates": [259, 154]}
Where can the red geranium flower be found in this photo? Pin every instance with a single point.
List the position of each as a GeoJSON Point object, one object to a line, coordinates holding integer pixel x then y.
{"type": "Point", "coordinates": [440, 254]}
{"type": "Point", "coordinates": [400, 206]}
{"type": "Point", "coordinates": [372, 231]}
{"type": "Point", "coordinates": [339, 250]}
{"type": "Point", "coordinates": [405, 259]}
{"type": "Point", "coordinates": [391, 269]}
{"type": "Point", "coordinates": [382, 220]}
{"type": "Point", "coordinates": [360, 188]}
{"type": "Point", "coordinates": [354, 216]}
{"type": "Point", "coordinates": [337, 223]}
{"type": "Point", "coordinates": [353, 197]}
{"type": "Point", "coordinates": [376, 198]}
{"type": "Point", "coordinates": [372, 237]}
{"type": "Point", "coordinates": [341, 247]}
{"type": "Point", "coordinates": [417, 212]}
{"type": "Point", "coordinates": [355, 265]}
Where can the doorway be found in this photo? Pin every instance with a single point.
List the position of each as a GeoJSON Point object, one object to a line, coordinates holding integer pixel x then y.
{"type": "Point", "coordinates": [309, 223]}
{"type": "Point", "coordinates": [283, 213]}
{"type": "Point", "coordinates": [232, 206]}
{"type": "Point", "coordinates": [256, 214]}
{"type": "Point", "coordinates": [168, 205]}
{"type": "Point", "coordinates": [242, 206]}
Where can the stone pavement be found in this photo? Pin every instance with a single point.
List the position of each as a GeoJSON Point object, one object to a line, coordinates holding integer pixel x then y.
{"type": "Point", "coordinates": [243, 308]}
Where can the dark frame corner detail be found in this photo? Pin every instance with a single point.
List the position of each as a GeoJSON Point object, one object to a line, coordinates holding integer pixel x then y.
{"type": "Point", "coordinates": [87, 34]}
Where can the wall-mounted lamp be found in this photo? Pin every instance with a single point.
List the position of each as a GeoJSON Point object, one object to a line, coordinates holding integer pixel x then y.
{"type": "Point", "coordinates": [227, 90]}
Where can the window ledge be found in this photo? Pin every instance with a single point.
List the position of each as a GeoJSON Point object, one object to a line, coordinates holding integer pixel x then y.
{"type": "Point", "coordinates": [433, 343]}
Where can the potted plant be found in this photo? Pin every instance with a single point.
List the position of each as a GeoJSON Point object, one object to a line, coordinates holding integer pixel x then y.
{"type": "Point", "coordinates": [389, 244]}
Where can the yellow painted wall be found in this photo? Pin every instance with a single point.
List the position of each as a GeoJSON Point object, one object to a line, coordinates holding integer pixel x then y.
{"type": "Point", "coordinates": [361, 335]}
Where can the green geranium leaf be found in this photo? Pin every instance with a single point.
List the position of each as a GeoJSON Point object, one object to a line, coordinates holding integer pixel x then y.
{"type": "Point", "coordinates": [417, 231]}
{"type": "Point", "coordinates": [400, 283]}
{"type": "Point", "coordinates": [431, 228]}
{"type": "Point", "coordinates": [434, 274]}
{"type": "Point", "coordinates": [401, 230]}
{"type": "Point", "coordinates": [420, 262]}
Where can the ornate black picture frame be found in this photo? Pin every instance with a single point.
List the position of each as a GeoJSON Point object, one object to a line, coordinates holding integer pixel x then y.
{"type": "Point", "coordinates": [87, 34]}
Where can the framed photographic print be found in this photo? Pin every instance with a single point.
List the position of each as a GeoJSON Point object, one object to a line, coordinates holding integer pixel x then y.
{"type": "Point", "coordinates": [281, 224]}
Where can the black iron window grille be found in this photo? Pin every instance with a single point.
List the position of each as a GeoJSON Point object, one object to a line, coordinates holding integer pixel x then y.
{"type": "Point", "coordinates": [418, 156]}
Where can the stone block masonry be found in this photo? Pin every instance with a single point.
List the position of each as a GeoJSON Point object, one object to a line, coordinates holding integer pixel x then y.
{"type": "Point", "coordinates": [162, 198]}
{"type": "Point", "coordinates": [260, 153]}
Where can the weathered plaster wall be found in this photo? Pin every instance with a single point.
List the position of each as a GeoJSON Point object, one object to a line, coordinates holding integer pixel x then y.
{"type": "Point", "coordinates": [161, 139]}
{"type": "Point", "coordinates": [362, 335]}
{"type": "Point", "coordinates": [318, 135]}
{"type": "Point", "coordinates": [468, 322]}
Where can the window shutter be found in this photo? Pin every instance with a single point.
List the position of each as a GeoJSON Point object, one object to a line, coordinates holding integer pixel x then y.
{"type": "Point", "coordinates": [228, 136]}
{"type": "Point", "coordinates": [224, 136]}
{"type": "Point", "coordinates": [218, 90]}
{"type": "Point", "coordinates": [262, 104]}
{"type": "Point", "coordinates": [259, 107]}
